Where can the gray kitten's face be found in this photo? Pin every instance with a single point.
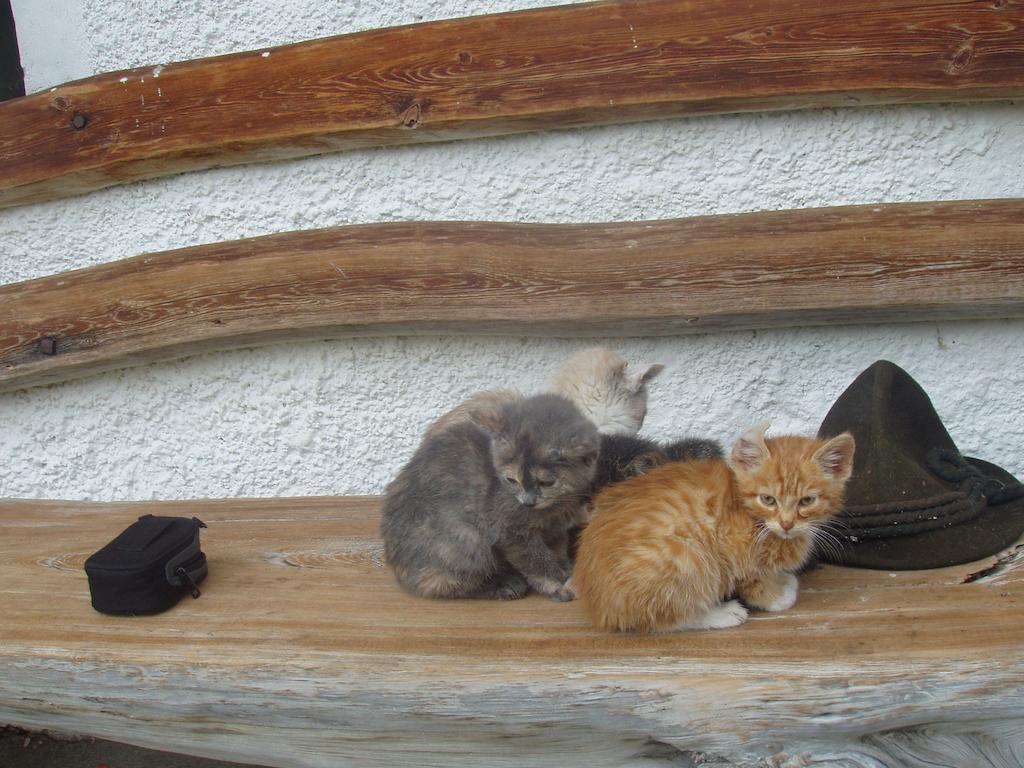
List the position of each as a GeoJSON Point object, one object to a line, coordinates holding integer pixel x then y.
{"type": "Point", "coordinates": [542, 448]}
{"type": "Point", "coordinates": [537, 478]}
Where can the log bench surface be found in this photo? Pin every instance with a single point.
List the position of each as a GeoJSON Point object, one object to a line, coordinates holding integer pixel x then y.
{"type": "Point", "coordinates": [302, 651]}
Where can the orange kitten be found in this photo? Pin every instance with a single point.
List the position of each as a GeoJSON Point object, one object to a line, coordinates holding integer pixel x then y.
{"type": "Point", "coordinates": [667, 549]}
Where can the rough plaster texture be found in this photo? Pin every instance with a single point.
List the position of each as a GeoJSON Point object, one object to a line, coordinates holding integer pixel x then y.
{"type": "Point", "coordinates": [341, 416]}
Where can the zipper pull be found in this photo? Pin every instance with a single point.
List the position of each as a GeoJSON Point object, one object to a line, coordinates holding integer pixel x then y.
{"type": "Point", "coordinates": [187, 577]}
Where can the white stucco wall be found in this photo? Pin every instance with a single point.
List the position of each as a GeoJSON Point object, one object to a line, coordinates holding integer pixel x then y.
{"type": "Point", "coordinates": [341, 416]}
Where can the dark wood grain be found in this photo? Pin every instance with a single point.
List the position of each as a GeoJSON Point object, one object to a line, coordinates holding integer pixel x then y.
{"type": "Point", "coordinates": [555, 67]}
{"type": "Point", "coordinates": [860, 264]}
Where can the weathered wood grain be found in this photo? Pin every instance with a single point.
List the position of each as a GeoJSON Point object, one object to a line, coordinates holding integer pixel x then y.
{"type": "Point", "coordinates": [303, 652]}
{"type": "Point", "coordinates": [555, 67]}
{"type": "Point", "coordinates": [886, 263]}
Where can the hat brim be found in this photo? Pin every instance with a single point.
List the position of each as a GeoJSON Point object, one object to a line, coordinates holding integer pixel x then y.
{"type": "Point", "coordinates": [995, 529]}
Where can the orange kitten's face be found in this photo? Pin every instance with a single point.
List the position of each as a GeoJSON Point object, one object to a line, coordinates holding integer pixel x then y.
{"type": "Point", "coordinates": [792, 485]}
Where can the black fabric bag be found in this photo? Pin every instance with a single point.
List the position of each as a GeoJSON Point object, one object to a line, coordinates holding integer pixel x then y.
{"type": "Point", "coordinates": [149, 567]}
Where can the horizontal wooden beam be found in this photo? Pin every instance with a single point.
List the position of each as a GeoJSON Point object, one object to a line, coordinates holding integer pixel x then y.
{"type": "Point", "coordinates": [861, 264]}
{"type": "Point", "coordinates": [302, 651]}
{"type": "Point", "coordinates": [585, 64]}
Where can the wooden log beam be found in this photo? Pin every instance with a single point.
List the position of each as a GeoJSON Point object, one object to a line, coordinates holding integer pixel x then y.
{"type": "Point", "coordinates": [302, 651]}
{"type": "Point", "coordinates": [861, 264]}
{"type": "Point", "coordinates": [557, 67]}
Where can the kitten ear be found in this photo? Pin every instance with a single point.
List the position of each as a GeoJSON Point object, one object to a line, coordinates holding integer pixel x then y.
{"type": "Point", "coordinates": [582, 453]}
{"type": "Point", "coordinates": [588, 449]}
{"type": "Point", "coordinates": [490, 420]}
{"type": "Point", "coordinates": [836, 457]}
{"type": "Point", "coordinates": [644, 463]}
{"type": "Point", "coordinates": [639, 379]}
{"type": "Point", "coordinates": [750, 450]}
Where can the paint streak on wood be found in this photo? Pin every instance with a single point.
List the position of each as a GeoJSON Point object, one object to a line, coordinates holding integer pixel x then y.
{"type": "Point", "coordinates": [302, 651]}
{"type": "Point", "coordinates": [585, 64]}
{"type": "Point", "coordinates": [862, 264]}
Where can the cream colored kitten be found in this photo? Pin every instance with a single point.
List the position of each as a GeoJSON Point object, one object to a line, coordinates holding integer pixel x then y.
{"type": "Point", "coordinates": [598, 382]}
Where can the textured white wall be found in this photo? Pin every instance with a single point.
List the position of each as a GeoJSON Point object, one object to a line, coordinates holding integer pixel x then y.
{"type": "Point", "coordinates": [341, 416]}
{"type": "Point", "coordinates": [51, 41]}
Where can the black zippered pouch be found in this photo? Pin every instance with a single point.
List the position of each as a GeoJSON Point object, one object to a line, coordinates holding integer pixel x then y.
{"type": "Point", "coordinates": [149, 567]}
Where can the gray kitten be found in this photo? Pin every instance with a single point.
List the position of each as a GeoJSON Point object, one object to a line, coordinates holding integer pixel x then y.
{"type": "Point", "coordinates": [483, 508]}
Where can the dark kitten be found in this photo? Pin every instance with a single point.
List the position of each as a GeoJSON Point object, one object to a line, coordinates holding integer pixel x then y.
{"type": "Point", "coordinates": [483, 508]}
{"type": "Point", "coordinates": [623, 456]}
{"type": "Point", "coordinates": [690, 448]}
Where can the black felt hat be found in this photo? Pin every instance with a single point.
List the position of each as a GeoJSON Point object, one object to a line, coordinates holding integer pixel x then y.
{"type": "Point", "coordinates": [914, 501]}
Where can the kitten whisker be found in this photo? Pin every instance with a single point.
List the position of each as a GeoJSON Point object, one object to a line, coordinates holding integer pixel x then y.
{"type": "Point", "coordinates": [825, 541]}
{"type": "Point", "coordinates": [762, 534]}
{"type": "Point", "coordinates": [835, 535]}
{"type": "Point", "coordinates": [835, 521]}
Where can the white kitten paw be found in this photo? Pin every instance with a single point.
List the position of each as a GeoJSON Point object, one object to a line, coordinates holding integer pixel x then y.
{"type": "Point", "coordinates": [562, 592]}
{"type": "Point", "coordinates": [721, 616]}
{"type": "Point", "coordinates": [570, 588]}
{"type": "Point", "coordinates": [566, 594]}
{"type": "Point", "coordinates": [787, 596]}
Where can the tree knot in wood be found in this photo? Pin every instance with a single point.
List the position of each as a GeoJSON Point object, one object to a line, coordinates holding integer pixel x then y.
{"type": "Point", "coordinates": [672, 48]}
{"type": "Point", "coordinates": [962, 58]}
{"type": "Point", "coordinates": [755, 36]}
{"type": "Point", "coordinates": [410, 116]}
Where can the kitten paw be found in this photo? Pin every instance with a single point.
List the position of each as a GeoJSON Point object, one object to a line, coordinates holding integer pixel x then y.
{"type": "Point", "coordinates": [566, 594]}
{"type": "Point", "coordinates": [510, 586]}
{"type": "Point", "coordinates": [786, 598]}
{"type": "Point", "coordinates": [721, 616]}
{"type": "Point", "coordinates": [512, 589]}
{"type": "Point", "coordinates": [560, 591]}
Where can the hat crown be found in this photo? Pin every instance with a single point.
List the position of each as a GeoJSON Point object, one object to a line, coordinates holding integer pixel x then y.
{"type": "Point", "coordinates": [894, 419]}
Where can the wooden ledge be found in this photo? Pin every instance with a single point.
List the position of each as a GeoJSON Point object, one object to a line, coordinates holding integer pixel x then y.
{"type": "Point", "coordinates": [586, 64]}
{"type": "Point", "coordinates": [861, 264]}
{"type": "Point", "coordinates": [303, 652]}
